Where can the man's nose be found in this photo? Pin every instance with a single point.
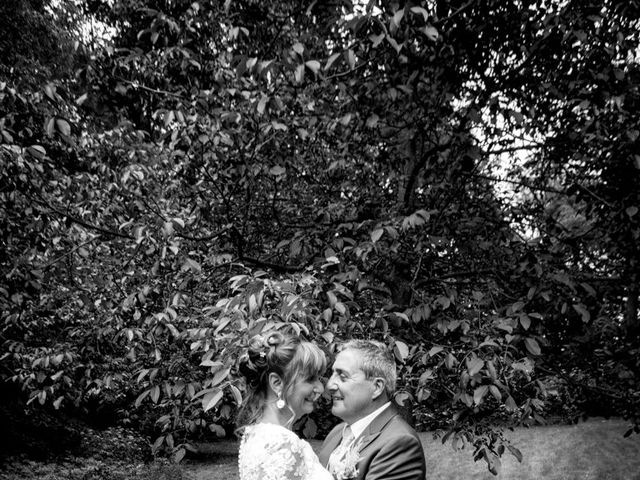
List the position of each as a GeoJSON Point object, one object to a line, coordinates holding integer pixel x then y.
{"type": "Point", "coordinates": [331, 384]}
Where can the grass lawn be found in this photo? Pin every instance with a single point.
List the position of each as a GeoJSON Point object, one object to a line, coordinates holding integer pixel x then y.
{"type": "Point", "coordinates": [592, 450]}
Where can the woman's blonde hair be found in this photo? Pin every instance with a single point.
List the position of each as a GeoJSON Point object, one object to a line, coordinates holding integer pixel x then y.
{"type": "Point", "coordinates": [292, 358]}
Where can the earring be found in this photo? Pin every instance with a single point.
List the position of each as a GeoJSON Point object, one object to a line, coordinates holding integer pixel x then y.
{"type": "Point", "coordinates": [280, 402]}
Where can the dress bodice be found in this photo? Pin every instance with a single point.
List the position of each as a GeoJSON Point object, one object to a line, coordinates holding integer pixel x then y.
{"type": "Point", "coordinates": [272, 452]}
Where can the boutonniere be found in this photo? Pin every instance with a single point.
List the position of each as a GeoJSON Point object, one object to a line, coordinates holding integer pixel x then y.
{"type": "Point", "coordinates": [347, 468]}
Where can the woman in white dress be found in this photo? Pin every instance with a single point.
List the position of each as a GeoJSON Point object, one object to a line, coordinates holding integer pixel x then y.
{"type": "Point", "coordinates": [283, 383]}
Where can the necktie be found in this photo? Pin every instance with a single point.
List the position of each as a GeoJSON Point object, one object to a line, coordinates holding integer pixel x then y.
{"type": "Point", "coordinates": [341, 450]}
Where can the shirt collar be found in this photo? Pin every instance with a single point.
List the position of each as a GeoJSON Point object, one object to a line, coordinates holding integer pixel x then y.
{"type": "Point", "coordinates": [361, 425]}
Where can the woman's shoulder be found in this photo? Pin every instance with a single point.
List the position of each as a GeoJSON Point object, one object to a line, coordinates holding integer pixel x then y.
{"type": "Point", "coordinates": [270, 432]}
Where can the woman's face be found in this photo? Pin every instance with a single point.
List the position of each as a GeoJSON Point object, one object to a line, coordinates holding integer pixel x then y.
{"type": "Point", "coordinates": [304, 394]}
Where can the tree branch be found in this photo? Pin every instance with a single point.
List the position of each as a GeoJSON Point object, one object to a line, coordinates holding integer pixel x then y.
{"type": "Point", "coordinates": [276, 267]}
{"type": "Point", "coordinates": [446, 276]}
{"type": "Point", "coordinates": [206, 237]}
{"type": "Point", "coordinates": [458, 11]}
{"type": "Point", "coordinates": [516, 182]}
{"type": "Point", "coordinates": [151, 90]}
{"type": "Point", "coordinates": [62, 257]}
{"type": "Point", "coordinates": [85, 224]}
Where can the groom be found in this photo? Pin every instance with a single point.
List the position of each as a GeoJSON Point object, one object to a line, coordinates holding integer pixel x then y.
{"type": "Point", "coordinates": [373, 442]}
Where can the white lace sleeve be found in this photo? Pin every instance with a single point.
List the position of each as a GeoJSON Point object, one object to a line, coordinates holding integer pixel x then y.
{"type": "Point", "coordinates": [272, 455]}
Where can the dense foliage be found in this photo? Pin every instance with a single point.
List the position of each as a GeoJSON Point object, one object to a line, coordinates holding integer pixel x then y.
{"type": "Point", "coordinates": [457, 178]}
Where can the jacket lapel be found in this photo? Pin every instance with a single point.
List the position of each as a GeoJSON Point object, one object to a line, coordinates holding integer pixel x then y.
{"type": "Point", "coordinates": [330, 444]}
{"type": "Point", "coordinates": [375, 428]}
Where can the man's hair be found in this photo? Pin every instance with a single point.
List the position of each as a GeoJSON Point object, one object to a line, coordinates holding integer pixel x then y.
{"type": "Point", "coordinates": [376, 361]}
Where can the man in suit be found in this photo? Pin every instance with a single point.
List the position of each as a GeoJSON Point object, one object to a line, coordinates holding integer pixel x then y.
{"type": "Point", "coordinates": [373, 437]}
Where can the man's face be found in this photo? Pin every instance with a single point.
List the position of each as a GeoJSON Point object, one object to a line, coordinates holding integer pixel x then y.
{"type": "Point", "coordinates": [351, 392]}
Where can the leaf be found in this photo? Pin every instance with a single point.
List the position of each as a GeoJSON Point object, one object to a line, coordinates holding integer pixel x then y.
{"type": "Point", "coordinates": [211, 399]}
{"type": "Point", "coordinates": [376, 234]}
{"type": "Point", "coordinates": [402, 398]}
{"type": "Point", "coordinates": [474, 365]}
{"type": "Point", "coordinates": [262, 104]}
{"type": "Point", "coordinates": [401, 351]}
{"type": "Point", "coordinates": [236, 394]}
{"type": "Point", "coordinates": [397, 17]}
{"type": "Point", "coordinates": [298, 48]}
{"type": "Point", "coordinates": [220, 376]}
{"type": "Point", "coordinates": [495, 392]}
{"type": "Point", "coordinates": [372, 121]}
{"type": "Point", "coordinates": [450, 361]}
{"type": "Point", "coordinates": [589, 289]}
{"type": "Point", "coordinates": [277, 170]}
{"type": "Point", "coordinates": [51, 126]}
{"type": "Point", "coordinates": [155, 394]}
{"type": "Point", "coordinates": [332, 298]}
{"type": "Point", "coordinates": [331, 60]}
{"type": "Point", "coordinates": [516, 307]}
{"type": "Point", "coordinates": [179, 455]}
{"type": "Point", "coordinates": [435, 350]}
{"type": "Point", "coordinates": [631, 211]}
{"type": "Point", "coordinates": [397, 47]}
{"type": "Point", "coordinates": [279, 126]}
{"type": "Point", "coordinates": [421, 11]}
{"type": "Point", "coordinates": [532, 346]}
{"type": "Point", "coordinates": [253, 303]}
{"type": "Point", "coordinates": [50, 91]}
{"type": "Point", "coordinates": [376, 39]}
{"type": "Point", "coordinates": [525, 321]}
{"type": "Point", "coordinates": [141, 397]}
{"type": "Point", "coordinates": [313, 65]}
{"type": "Point", "coordinates": [37, 151]}
{"type": "Point", "coordinates": [158, 443]}
{"type": "Point", "coordinates": [431, 32]}
{"type": "Point", "coordinates": [515, 452]}
{"type": "Point", "coordinates": [479, 393]}
{"type": "Point", "coordinates": [426, 376]}
{"type": "Point", "coordinates": [211, 363]}
{"type": "Point", "coordinates": [299, 73]}
{"type": "Point", "coordinates": [174, 331]}
{"type": "Point", "coordinates": [582, 310]}
{"type": "Point", "coordinates": [345, 119]}
{"type": "Point", "coordinates": [193, 265]}
{"type": "Point", "coordinates": [510, 404]}
{"type": "Point", "coordinates": [218, 430]}
{"type": "Point", "coordinates": [351, 59]}
{"type": "Point", "coordinates": [169, 116]}
{"type": "Point", "coordinates": [251, 62]}
{"type": "Point", "coordinates": [445, 302]}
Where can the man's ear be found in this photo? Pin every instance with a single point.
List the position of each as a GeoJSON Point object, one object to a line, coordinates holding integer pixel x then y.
{"type": "Point", "coordinates": [378, 388]}
{"type": "Point", "coordinates": [275, 383]}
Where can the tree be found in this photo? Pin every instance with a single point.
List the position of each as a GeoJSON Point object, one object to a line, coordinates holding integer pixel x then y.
{"type": "Point", "coordinates": [338, 169]}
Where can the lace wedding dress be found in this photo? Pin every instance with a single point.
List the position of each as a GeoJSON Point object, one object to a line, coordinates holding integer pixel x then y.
{"type": "Point", "coordinates": [272, 452]}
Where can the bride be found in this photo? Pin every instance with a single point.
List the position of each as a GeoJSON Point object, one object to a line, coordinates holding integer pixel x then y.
{"type": "Point", "coordinates": [283, 383]}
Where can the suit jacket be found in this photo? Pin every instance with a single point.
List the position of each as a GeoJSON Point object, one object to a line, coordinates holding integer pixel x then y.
{"type": "Point", "coordinates": [389, 450]}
